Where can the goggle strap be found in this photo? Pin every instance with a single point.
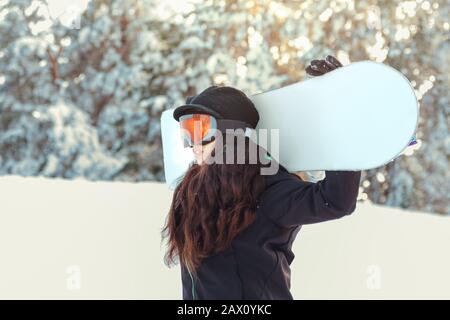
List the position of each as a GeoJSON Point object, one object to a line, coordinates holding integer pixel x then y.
{"type": "Point", "coordinates": [223, 124]}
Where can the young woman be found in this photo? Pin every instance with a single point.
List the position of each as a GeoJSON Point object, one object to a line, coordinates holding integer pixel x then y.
{"type": "Point", "coordinates": [231, 227]}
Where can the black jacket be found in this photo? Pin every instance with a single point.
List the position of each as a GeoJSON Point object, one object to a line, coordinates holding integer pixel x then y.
{"type": "Point", "coordinates": [257, 265]}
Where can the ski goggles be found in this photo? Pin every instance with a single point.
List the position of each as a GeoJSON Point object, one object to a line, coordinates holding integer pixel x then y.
{"type": "Point", "coordinates": [201, 128]}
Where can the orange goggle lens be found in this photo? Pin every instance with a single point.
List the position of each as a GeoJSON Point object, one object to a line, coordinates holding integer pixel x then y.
{"type": "Point", "coordinates": [196, 128]}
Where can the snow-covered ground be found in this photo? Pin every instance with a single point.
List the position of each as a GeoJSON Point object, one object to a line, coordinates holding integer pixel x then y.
{"type": "Point", "coordinates": [79, 239]}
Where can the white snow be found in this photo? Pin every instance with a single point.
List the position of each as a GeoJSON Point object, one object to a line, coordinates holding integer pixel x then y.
{"type": "Point", "coordinates": [73, 239]}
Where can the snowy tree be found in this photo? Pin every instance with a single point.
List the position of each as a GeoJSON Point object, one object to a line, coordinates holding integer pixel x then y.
{"type": "Point", "coordinates": [73, 148]}
{"type": "Point", "coordinates": [39, 134]}
{"type": "Point", "coordinates": [226, 42]}
{"type": "Point", "coordinates": [113, 59]}
{"type": "Point", "coordinates": [23, 57]}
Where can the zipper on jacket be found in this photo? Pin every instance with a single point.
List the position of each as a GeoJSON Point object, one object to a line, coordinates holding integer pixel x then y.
{"type": "Point", "coordinates": [193, 285]}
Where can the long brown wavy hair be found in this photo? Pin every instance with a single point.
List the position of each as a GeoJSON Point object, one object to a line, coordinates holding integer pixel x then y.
{"type": "Point", "coordinates": [211, 205]}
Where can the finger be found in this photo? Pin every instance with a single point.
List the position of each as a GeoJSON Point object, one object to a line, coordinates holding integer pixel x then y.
{"type": "Point", "coordinates": [319, 65]}
{"type": "Point", "coordinates": [313, 72]}
{"type": "Point", "coordinates": [316, 62]}
{"type": "Point", "coordinates": [334, 61]}
{"type": "Point", "coordinates": [330, 65]}
{"type": "Point", "coordinates": [327, 66]}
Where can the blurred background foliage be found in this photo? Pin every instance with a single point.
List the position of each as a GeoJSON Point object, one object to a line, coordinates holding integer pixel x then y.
{"type": "Point", "coordinates": [81, 94]}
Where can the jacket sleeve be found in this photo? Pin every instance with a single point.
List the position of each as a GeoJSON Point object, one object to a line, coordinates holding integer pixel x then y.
{"type": "Point", "coordinates": [295, 202]}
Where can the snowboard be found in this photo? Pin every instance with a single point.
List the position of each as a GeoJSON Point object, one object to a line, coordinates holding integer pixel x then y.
{"type": "Point", "coordinates": [356, 117]}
